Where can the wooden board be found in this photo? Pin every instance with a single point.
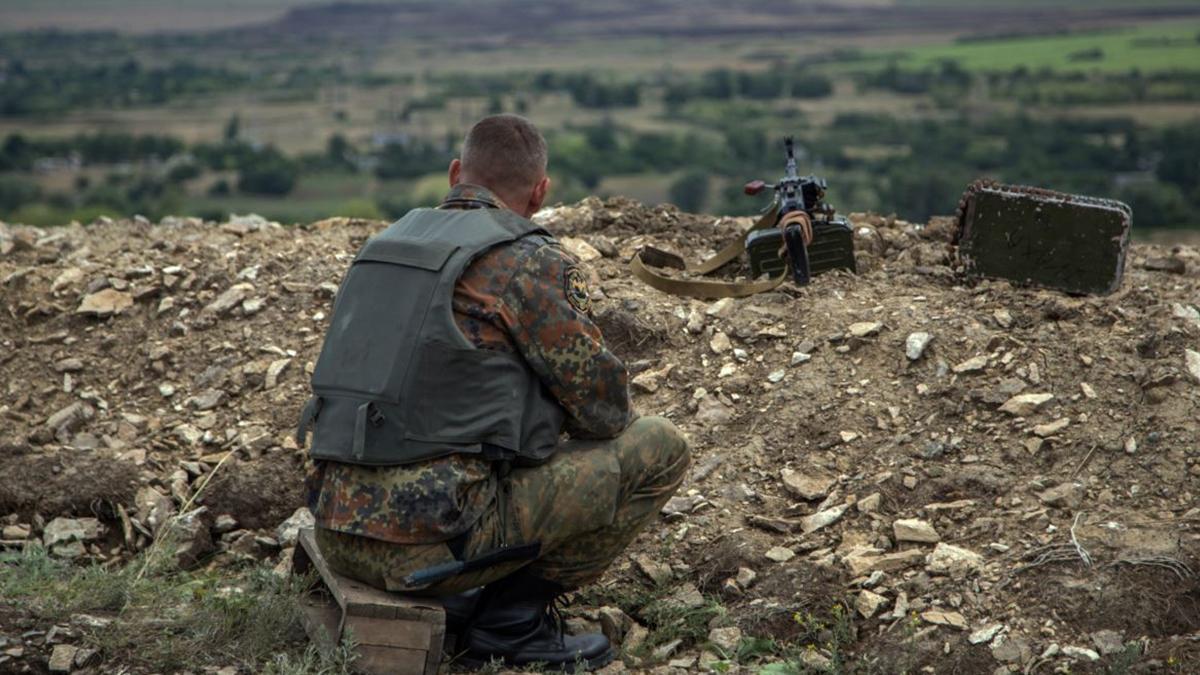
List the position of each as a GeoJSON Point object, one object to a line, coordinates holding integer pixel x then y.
{"type": "Point", "coordinates": [394, 633]}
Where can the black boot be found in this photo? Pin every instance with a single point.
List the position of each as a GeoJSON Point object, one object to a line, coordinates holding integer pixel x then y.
{"type": "Point", "coordinates": [516, 623]}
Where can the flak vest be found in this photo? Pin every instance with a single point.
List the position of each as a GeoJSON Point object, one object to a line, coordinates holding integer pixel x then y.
{"type": "Point", "coordinates": [396, 381]}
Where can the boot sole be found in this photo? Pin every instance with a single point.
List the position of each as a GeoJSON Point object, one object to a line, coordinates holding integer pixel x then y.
{"type": "Point", "coordinates": [473, 662]}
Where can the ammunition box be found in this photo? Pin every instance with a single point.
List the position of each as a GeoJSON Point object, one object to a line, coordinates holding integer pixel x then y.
{"type": "Point", "coordinates": [832, 248]}
{"type": "Point", "coordinates": [1038, 237]}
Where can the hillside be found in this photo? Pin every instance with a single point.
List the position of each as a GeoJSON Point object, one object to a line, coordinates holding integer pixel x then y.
{"type": "Point", "coordinates": [1019, 493]}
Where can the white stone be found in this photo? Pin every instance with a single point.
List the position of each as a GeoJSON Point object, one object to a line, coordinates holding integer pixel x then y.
{"type": "Point", "coordinates": [727, 638]}
{"type": "Point", "coordinates": [800, 357]}
{"type": "Point", "coordinates": [289, 530]}
{"type": "Point", "coordinates": [1191, 359]}
{"type": "Point", "coordinates": [780, 554]}
{"type": "Point", "coordinates": [984, 634]}
{"type": "Point", "coordinates": [940, 617]}
{"type": "Point", "coordinates": [1026, 404]}
{"type": "Point", "coordinates": [869, 603]}
{"type": "Point", "coordinates": [808, 486]}
{"type": "Point", "coordinates": [1081, 653]}
{"type": "Point", "coordinates": [720, 343]}
{"type": "Point", "coordinates": [105, 303]}
{"type": "Point", "coordinates": [974, 364]}
{"type": "Point", "coordinates": [274, 371]}
{"type": "Point", "coordinates": [776, 376]}
{"type": "Point", "coordinates": [915, 344]}
{"type": "Point", "coordinates": [1087, 390]}
{"type": "Point", "coordinates": [913, 529]}
{"type": "Point", "coordinates": [746, 577]}
{"type": "Point", "coordinates": [231, 298]}
{"type": "Point", "coordinates": [823, 519]}
{"type": "Point", "coordinates": [1045, 430]}
{"type": "Point", "coordinates": [953, 560]}
{"type": "Point", "coordinates": [583, 251]}
{"type": "Point", "coordinates": [865, 328]}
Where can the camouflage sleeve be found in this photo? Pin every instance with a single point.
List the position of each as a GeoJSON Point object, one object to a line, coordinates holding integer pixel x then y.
{"type": "Point", "coordinates": [546, 310]}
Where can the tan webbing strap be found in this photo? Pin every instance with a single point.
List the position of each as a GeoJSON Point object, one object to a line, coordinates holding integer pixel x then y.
{"type": "Point", "coordinates": [697, 288]}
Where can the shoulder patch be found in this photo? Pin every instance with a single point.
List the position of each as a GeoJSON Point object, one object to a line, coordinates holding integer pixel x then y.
{"type": "Point", "coordinates": [575, 287]}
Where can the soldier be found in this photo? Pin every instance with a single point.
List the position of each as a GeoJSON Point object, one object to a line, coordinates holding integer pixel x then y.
{"type": "Point", "coordinates": [460, 350]}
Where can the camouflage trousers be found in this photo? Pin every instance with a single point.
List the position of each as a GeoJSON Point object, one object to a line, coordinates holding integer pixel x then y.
{"type": "Point", "coordinates": [585, 505]}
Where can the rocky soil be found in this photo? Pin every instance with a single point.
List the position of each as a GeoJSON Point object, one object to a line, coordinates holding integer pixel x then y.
{"type": "Point", "coordinates": [899, 470]}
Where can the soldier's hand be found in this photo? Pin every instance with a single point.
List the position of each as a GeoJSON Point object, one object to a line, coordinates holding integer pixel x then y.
{"type": "Point", "coordinates": [799, 218]}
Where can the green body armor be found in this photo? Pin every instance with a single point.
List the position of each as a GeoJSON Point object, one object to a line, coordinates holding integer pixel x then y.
{"type": "Point", "coordinates": [396, 381]}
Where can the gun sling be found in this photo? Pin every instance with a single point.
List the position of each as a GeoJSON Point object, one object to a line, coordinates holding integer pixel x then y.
{"type": "Point", "coordinates": [701, 288]}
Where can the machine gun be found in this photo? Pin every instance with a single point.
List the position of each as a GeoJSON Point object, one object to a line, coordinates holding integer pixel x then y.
{"type": "Point", "coordinates": [832, 246]}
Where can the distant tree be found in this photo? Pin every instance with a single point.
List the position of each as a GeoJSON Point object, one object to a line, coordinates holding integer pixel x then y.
{"type": "Point", "coordinates": [233, 128]}
{"type": "Point", "coordinates": [690, 191]}
{"type": "Point", "coordinates": [16, 191]}
{"type": "Point", "coordinates": [270, 173]}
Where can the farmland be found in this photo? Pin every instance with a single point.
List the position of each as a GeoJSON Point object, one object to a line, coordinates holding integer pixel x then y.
{"type": "Point", "coordinates": [899, 104]}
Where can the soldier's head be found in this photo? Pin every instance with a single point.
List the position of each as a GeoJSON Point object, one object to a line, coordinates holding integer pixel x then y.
{"type": "Point", "coordinates": [507, 155]}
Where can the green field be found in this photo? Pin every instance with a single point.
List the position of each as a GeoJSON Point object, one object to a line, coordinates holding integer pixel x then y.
{"type": "Point", "coordinates": [1149, 48]}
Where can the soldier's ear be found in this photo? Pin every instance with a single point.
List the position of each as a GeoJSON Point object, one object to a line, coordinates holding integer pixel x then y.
{"type": "Point", "coordinates": [539, 194]}
{"type": "Point", "coordinates": [455, 173]}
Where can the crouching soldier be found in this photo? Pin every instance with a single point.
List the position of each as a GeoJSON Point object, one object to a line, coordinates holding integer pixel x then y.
{"type": "Point", "coordinates": [460, 350]}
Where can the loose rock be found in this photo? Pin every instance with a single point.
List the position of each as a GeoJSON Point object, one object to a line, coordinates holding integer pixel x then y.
{"type": "Point", "coordinates": [915, 530]}
{"type": "Point", "coordinates": [915, 344]}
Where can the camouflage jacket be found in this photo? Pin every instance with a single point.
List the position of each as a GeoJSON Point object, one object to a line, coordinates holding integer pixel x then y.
{"type": "Point", "coordinates": [527, 297]}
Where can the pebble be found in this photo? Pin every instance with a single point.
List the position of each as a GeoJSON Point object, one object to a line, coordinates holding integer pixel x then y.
{"type": "Point", "coordinates": [746, 577]}
{"type": "Point", "coordinates": [984, 634]}
{"type": "Point", "coordinates": [1044, 430]}
{"type": "Point", "coordinates": [868, 603]}
{"type": "Point", "coordinates": [1003, 317]}
{"type": "Point", "coordinates": [208, 399]}
{"type": "Point", "coordinates": [274, 371]}
{"type": "Point", "coordinates": [720, 308]}
{"type": "Point", "coordinates": [1022, 405]}
{"type": "Point", "coordinates": [953, 560]}
{"type": "Point", "coordinates": [780, 554]}
{"type": "Point", "coordinates": [808, 486]}
{"type": "Point", "coordinates": [1191, 360]}
{"type": "Point", "coordinates": [71, 365]}
{"type": "Point", "coordinates": [105, 303]}
{"type": "Point", "coordinates": [776, 376]}
{"type": "Point", "coordinates": [289, 530]}
{"type": "Point", "coordinates": [870, 503]}
{"type": "Point", "coordinates": [865, 329]}
{"type": "Point", "coordinates": [1081, 653]}
{"type": "Point", "coordinates": [913, 529]}
{"type": "Point", "coordinates": [720, 343]}
{"type": "Point", "coordinates": [940, 617]}
{"type": "Point", "coordinates": [915, 344]}
{"type": "Point", "coordinates": [800, 357]}
{"type": "Point", "coordinates": [823, 519]}
{"type": "Point", "coordinates": [727, 638]}
{"type": "Point", "coordinates": [1087, 390]}
{"type": "Point", "coordinates": [974, 364]}
{"type": "Point", "coordinates": [225, 302]}
{"type": "Point", "coordinates": [1067, 495]}
{"type": "Point", "coordinates": [62, 659]}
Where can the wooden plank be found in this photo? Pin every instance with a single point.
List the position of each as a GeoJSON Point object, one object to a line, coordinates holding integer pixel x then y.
{"type": "Point", "coordinates": [363, 600]}
{"type": "Point", "coordinates": [320, 619]}
{"type": "Point", "coordinates": [433, 658]}
{"type": "Point", "coordinates": [377, 660]}
{"type": "Point", "coordinates": [388, 632]}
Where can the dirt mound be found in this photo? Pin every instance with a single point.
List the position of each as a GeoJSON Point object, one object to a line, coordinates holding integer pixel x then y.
{"type": "Point", "coordinates": [1016, 487]}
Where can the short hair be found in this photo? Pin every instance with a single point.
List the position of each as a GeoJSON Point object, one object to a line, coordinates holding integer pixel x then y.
{"type": "Point", "coordinates": [504, 153]}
